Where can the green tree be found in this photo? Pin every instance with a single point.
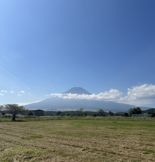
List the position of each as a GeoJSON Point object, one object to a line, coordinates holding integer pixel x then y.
{"type": "Point", "coordinates": [1, 107]}
{"type": "Point", "coordinates": [14, 109]}
{"type": "Point", "coordinates": [101, 112]}
{"type": "Point", "coordinates": [2, 110]}
{"type": "Point", "coordinates": [135, 110]}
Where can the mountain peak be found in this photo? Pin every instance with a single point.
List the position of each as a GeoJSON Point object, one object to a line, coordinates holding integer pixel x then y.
{"type": "Point", "coordinates": [78, 90]}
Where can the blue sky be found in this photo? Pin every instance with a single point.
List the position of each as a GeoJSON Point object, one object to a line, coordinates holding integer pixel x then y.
{"type": "Point", "coordinates": [48, 46]}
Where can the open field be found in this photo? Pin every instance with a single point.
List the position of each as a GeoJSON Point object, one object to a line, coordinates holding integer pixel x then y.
{"type": "Point", "coordinates": [78, 140]}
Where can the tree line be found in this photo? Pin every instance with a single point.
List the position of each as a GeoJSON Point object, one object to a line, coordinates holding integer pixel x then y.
{"type": "Point", "coordinates": [14, 110]}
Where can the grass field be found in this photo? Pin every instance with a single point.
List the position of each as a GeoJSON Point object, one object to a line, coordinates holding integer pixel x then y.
{"type": "Point", "coordinates": [78, 140]}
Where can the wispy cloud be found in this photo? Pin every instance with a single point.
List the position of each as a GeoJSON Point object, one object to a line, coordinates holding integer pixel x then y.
{"type": "Point", "coordinates": [20, 93]}
{"type": "Point", "coordinates": [4, 92]}
{"type": "Point", "coordinates": [137, 95]}
{"type": "Point", "coordinates": [1, 94]}
{"type": "Point", "coordinates": [12, 92]}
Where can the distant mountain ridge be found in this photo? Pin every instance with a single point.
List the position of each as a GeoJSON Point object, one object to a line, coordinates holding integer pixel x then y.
{"type": "Point", "coordinates": [55, 103]}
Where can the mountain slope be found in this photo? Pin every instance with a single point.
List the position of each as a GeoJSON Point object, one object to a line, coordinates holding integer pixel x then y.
{"type": "Point", "coordinates": [55, 103]}
{"type": "Point", "coordinates": [60, 104]}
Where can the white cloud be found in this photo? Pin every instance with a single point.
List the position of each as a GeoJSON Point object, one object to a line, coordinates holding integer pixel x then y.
{"type": "Point", "coordinates": [138, 95]}
{"type": "Point", "coordinates": [4, 91]}
{"type": "Point", "coordinates": [112, 94]}
{"type": "Point", "coordinates": [1, 94]}
{"type": "Point", "coordinates": [142, 91]}
{"type": "Point", "coordinates": [11, 92]}
{"type": "Point", "coordinates": [22, 91]}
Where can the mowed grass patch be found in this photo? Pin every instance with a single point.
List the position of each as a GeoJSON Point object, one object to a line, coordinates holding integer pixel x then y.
{"type": "Point", "coordinates": [78, 140]}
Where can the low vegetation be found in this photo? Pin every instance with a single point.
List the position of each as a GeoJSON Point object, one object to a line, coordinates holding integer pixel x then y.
{"type": "Point", "coordinates": [13, 110]}
{"type": "Point", "coordinates": [76, 136]}
{"type": "Point", "coordinates": [85, 139]}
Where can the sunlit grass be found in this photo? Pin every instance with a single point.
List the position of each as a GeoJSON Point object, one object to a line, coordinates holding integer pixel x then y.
{"type": "Point", "coordinates": [78, 140]}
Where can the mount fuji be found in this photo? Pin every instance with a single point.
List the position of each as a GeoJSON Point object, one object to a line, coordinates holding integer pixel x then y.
{"type": "Point", "coordinates": [56, 103]}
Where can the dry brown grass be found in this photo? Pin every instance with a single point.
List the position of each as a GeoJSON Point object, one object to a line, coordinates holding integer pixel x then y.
{"type": "Point", "coordinates": [126, 140]}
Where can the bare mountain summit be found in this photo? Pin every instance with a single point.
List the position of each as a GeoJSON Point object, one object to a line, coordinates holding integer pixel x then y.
{"type": "Point", "coordinates": [78, 90]}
